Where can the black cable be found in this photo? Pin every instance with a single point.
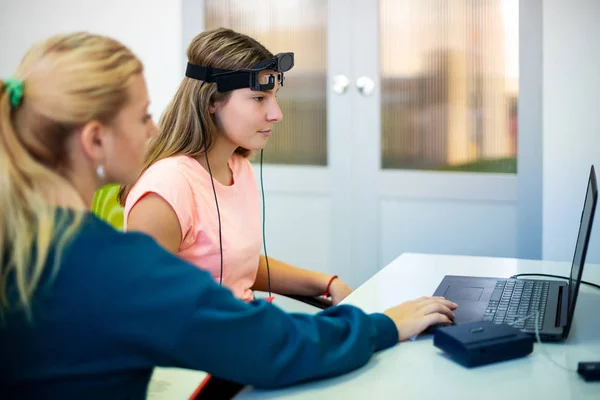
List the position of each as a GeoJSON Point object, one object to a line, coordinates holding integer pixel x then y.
{"type": "Point", "coordinates": [212, 181]}
{"type": "Point", "coordinates": [262, 189]}
{"type": "Point", "coordinates": [555, 276]}
{"type": "Point", "coordinates": [217, 202]}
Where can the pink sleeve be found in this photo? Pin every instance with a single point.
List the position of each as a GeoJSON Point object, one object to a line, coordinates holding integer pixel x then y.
{"type": "Point", "coordinates": [170, 184]}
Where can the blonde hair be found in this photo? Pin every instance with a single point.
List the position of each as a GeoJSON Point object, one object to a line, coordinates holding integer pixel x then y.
{"type": "Point", "coordinates": [180, 132]}
{"type": "Point", "coordinates": [68, 80]}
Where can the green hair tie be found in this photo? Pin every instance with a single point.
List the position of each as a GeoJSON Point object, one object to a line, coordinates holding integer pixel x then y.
{"type": "Point", "coordinates": [14, 88]}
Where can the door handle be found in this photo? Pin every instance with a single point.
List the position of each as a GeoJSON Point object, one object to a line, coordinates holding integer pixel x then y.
{"type": "Point", "coordinates": [365, 85]}
{"type": "Point", "coordinates": [340, 84]}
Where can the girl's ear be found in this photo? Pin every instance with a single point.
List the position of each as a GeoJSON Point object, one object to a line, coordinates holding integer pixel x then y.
{"type": "Point", "coordinates": [212, 105]}
{"type": "Point", "coordinates": [215, 104]}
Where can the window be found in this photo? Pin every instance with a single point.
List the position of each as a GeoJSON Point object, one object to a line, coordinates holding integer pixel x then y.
{"type": "Point", "coordinates": [449, 88]}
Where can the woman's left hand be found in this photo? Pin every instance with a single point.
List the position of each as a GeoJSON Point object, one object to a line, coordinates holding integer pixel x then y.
{"type": "Point", "coordinates": [338, 291]}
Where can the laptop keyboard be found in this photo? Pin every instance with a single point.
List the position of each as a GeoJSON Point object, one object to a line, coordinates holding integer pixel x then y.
{"type": "Point", "coordinates": [514, 300]}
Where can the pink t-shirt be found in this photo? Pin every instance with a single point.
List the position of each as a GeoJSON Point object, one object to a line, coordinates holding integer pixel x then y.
{"type": "Point", "coordinates": [183, 183]}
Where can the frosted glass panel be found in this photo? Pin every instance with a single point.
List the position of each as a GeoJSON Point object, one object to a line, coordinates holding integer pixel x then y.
{"type": "Point", "coordinates": [291, 25]}
{"type": "Point", "coordinates": [449, 76]}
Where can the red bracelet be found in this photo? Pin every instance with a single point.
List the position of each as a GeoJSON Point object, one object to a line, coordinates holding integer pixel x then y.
{"type": "Point", "coordinates": [326, 293]}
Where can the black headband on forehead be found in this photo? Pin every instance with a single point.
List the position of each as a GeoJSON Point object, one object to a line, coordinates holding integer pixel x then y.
{"type": "Point", "coordinates": [227, 80]}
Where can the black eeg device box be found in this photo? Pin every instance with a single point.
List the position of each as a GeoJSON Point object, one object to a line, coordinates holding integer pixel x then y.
{"type": "Point", "coordinates": [480, 343]}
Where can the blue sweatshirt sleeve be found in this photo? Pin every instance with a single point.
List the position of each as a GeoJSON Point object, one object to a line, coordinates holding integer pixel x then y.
{"type": "Point", "coordinates": [261, 345]}
{"type": "Point", "coordinates": [166, 312]}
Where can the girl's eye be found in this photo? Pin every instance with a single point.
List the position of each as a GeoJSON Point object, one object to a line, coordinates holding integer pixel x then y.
{"type": "Point", "coordinates": [258, 99]}
{"type": "Point", "coordinates": [147, 118]}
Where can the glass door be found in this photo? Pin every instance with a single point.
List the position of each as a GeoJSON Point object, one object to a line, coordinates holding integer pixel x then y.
{"type": "Point", "coordinates": [438, 127]}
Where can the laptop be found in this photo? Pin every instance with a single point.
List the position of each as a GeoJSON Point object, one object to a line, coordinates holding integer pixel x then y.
{"type": "Point", "coordinates": [509, 301]}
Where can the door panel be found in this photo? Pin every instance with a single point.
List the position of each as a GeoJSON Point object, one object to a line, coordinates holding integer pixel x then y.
{"type": "Point", "coordinates": [435, 134]}
{"type": "Point", "coordinates": [307, 166]}
{"type": "Point", "coordinates": [479, 228]}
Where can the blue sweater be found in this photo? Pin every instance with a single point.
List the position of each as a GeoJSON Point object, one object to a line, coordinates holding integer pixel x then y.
{"type": "Point", "coordinates": [120, 305]}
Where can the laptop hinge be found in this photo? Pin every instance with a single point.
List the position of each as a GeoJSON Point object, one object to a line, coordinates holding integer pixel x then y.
{"type": "Point", "coordinates": [559, 307]}
{"type": "Point", "coordinates": [562, 308]}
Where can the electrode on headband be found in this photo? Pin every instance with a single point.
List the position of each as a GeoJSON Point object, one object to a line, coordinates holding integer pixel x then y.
{"type": "Point", "coordinates": [227, 80]}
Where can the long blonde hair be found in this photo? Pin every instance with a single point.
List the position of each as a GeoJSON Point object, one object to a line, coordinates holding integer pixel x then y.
{"type": "Point", "coordinates": [180, 132]}
{"type": "Point", "coordinates": [68, 80]}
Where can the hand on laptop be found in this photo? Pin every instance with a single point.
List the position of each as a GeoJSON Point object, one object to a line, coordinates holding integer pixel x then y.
{"type": "Point", "coordinates": [413, 317]}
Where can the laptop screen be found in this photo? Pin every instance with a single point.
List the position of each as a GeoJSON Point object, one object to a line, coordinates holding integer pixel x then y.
{"type": "Point", "coordinates": [585, 227]}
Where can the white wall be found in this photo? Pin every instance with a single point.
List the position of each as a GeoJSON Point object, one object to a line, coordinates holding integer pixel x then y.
{"type": "Point", "coordinates": [571, 121]}
{"type": "Point", "coordinates": [151, 28]}
{"type": "Point", "coordinates": [530, 154]}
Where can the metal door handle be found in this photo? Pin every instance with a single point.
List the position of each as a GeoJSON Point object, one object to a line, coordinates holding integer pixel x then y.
{"type": "Point", "coordinates": [365, 85]}
{"type": "Point", "coordinates": [340, 84]}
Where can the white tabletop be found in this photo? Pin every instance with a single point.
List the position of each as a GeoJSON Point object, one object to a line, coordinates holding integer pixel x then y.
{"type": "Point", "coordinates": [418, 370]}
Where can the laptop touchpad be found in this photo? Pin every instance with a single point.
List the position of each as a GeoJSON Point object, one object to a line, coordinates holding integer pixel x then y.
{"type": "Point", "coordinates": [457, 293]}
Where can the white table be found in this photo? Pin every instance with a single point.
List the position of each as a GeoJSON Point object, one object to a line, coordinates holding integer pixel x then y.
{"type": "Point", "coordinates": [418, 370]}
